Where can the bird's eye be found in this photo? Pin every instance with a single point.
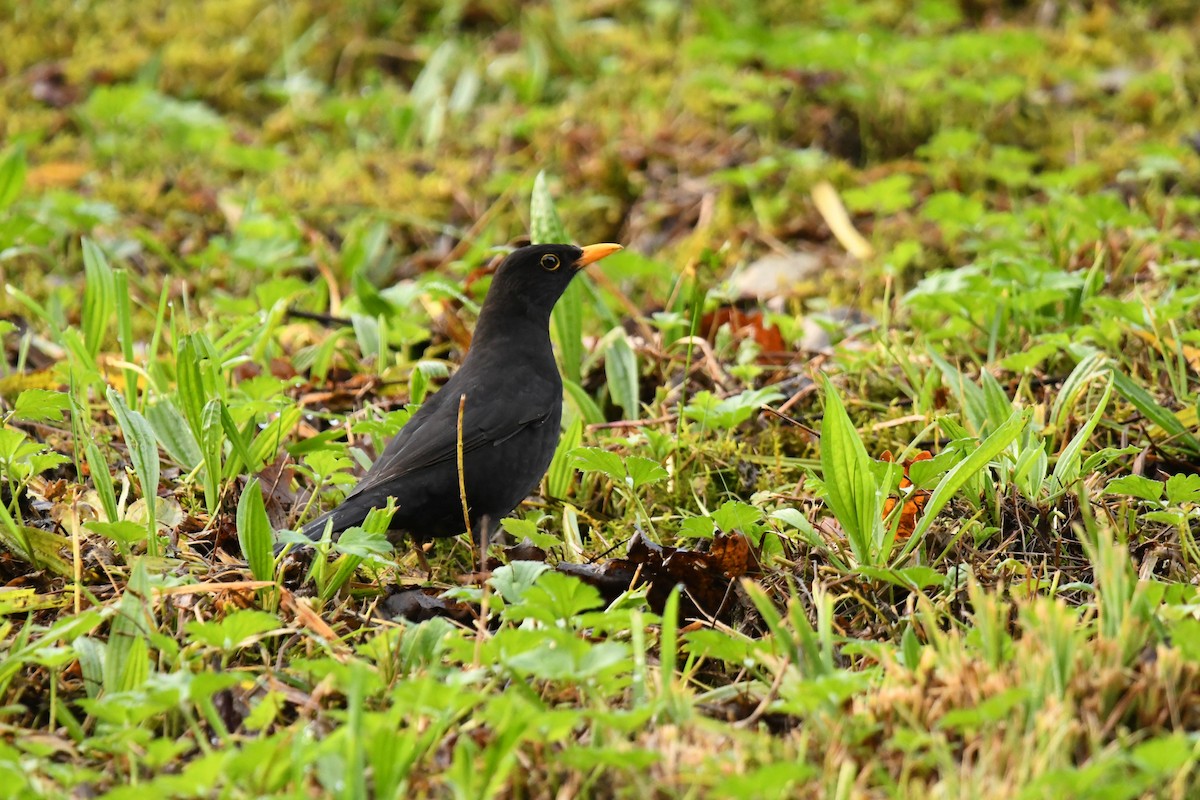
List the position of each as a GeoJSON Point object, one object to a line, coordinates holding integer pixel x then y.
{"type": "Point", "coordinates": [550, 262]}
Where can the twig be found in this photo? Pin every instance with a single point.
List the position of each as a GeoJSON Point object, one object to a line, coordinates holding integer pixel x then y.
{"type": "Point", "coordinates": [791, 421]}
{"type": "Point", "coordinates": [771, 694]}
{"type": "Point", "coordinates": [325, 319]}
{"type": "Point", "coordinates": [632, 423]}
{"type": "Point", "coordinates": [458, 452]}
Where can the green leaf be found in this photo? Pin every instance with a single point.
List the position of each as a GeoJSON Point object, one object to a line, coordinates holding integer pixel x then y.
{"type": "Point", "coordinates": [924, 473]}
{"type": "Point", "coordinates": [562, 470]}
{"type": "Point", "coordinates": [192, 349]}
{"type": "Point", "coordinates": [1152, 411]}
{"type": "Point", "coordinates": [1183, 489]}
{"type": "Point", "coordinates": [127, 657]}
{"type": "Point", "coordinates": [697, 528]}
{"type": "Point", "coordinates": [778, 779]}
{"type": "Point", "coordinates": [240, 442]}
{"type": "Point", "coordinates": [729, 646]}
{"type": "Point", "coordinates": [999, 407]}
{"type": "Point", "coordinates": [143, 452]}
{"type": "Point", "coordinates": [545, 227]}
{"type": "Point", "coordinates": [12, 176]}
{"type": "Point", "coordinates": [724, 414]}
{"type": "Point", "coordinates": [970, 397]}
{"type": "Point", "coordinates": [125, 331]}
{"type": "Point", "coordinates": [582, 403]}
{"type": "Point", "coordinates": [528, 529]}
{"type": "Point", "coordinates": [122, 531]}
{"type": "Point", "coordinates": [42, 548]}
{"type": "Point", "coordinates": [211, 445]}
{"type": "Point", "coordinates": [174, 433]}
{"type": "Point", "coordinates": [991, 710]}
{"type": "Point", "coordinates": [1066, 469]}
{"type": "Point", "coordinates": [621, 371]}
{"type": "Point", "coordinates": [1074, 386]}
{"type": "Point", "coordinates": [1165, 754]}
{"type": "Point", "coordinates": [102, 480]}
{"type": "Point", "coordinates": [99, 296]}
{"type": "Point", "coordinates": [555, 597]}
{"type": "Point", "coordinates": [266, 445]}
{"type": "Point", "coordinates": [1136, 486]}
{"type": "Point", "coordinates": [643, 471]}
{"type": "Point", "coordinates": [40, 405]}
{"type": "Point", "coordinates": [850, 487]}
{"type": "Point", "coordinates": [513, 580]}
{"type": "Point", "coordinates": [239, 629]}
{"type": "Point", "coordinates": [363, 543]}
{"type": "Point", "coordinates": [254, 532]}
{"type": "Point", "coordinates": [567, 319]}
{"type": "Point", "coordinates": [909, 577]}
{"type": "Point", "coordinates": [734, 515]}
{"type": "Point", "coordinates": [595, 459]}
{"type": "Point", "coordinates": [1175, 518]}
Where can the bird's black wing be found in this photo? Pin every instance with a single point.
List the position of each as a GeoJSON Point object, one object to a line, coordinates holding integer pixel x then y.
{"type": "Point", "coordinates": [431, 436]}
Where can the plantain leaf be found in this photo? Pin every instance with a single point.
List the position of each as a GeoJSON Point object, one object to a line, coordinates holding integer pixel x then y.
{"type": "Point", "coordinates": [545, 227]}
{"type": "Point", "coordinates": [143, 452]}
{"type": "Point", "coordinates": [99, 296]}
{"type": "Point", "coordinates": [254, 532]}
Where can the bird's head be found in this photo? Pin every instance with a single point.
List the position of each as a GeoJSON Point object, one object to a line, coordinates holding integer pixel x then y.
{"type": "Point", "coordinates": [534, 277]}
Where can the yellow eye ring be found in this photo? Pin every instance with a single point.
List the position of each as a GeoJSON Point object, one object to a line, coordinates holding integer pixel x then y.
{"type": "Point", "coordinates": [550, 262]}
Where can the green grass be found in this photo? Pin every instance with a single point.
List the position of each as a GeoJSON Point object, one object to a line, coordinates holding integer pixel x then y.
{"type": "Point", "coordinates": [241, 240]}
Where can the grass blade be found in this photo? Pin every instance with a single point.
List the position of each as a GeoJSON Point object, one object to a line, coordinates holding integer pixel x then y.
{"type": "Point", "coordinates": [1066, 469]}
{"type": "Point", "coordinates": [12, 176]}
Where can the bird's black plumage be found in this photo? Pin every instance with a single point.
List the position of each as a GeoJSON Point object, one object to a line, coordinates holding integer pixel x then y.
{"type": "Point", "coordinates": [511, 413]}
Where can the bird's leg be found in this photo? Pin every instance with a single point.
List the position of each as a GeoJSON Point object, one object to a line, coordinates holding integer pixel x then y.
{"type": "Point", "coordinates": [419, 547]}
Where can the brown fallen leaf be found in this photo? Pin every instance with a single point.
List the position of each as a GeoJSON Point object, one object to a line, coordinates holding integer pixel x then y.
{"type": "Point", "coordinates": [914, 503]}
{"type": "Point", "coordinates": [745, 325]}
{"type": "Point", "coordinates": [707, 578]}
{"type": "Point", "coordinates": [418, 605]}
{"type": "Point", "coordinates": [48, 84]}
{"type": "Point", "coordinates": [305, 616]}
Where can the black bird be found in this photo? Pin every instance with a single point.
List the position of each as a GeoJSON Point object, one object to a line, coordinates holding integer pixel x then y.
{"type": "Point", "coordinates": [510, 415]}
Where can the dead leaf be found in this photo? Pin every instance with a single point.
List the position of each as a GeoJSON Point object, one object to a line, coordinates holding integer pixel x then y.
{"type": "Point", "coordinates": [418, 605]}
{"type": "Point", "coordinates": [775, 276]}
{"type": "Point", "coordinates": [48, 84]}
{"type": "Point", "coordinates": [915, 500]}
{"type": "Point", "coordinates": [305, 616]}
{"type": "Point", "coordinates": [706, 577]}
{"type": "Point", "coordinates": [525, 550]}
{"type": "Point", "coordinates": [745, 325]}
{"type": "Point", "coordinates": [56, 174]}
{"type": "Point", "coordinates": [829, 203]}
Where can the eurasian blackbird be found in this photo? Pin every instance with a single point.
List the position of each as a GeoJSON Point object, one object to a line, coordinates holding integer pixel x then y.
{"type": "Point", "coordinates": [511, 396]}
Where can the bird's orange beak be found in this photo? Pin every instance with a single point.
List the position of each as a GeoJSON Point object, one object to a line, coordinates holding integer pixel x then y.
{"type": "Point", "coordinates": [594, 252]}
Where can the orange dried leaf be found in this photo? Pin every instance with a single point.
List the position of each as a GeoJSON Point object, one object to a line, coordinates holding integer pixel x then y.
{"type": "Point", "coordinates": [914, 504]}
